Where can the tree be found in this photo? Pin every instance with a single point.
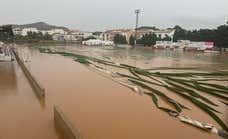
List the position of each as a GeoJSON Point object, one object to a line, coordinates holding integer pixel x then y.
{"type": "Point", "coordinates": [120, 39]}
{"type": "Point", "coordinates": [167, 38]}
{"type": "Point", "coordinates": [97, 33]}
{"type": "Point", "coordinates": [221, 38]}
{"type": "Point", "coordinates": [148, 39]}
{"type": "Point", "coordinates": [89, 38]}
{"type": "Point", "coordinates": [46, 36]}
{"type": "Point", "coordinates": [6, 33]}
{"type": "Point", "coordinates": [159, 38]}
{"type": "Point", "coordinates": [218, 36]}
{"type": "Point", "coordinates": [132, 40]}
{"type": "Point", "coordinates": [180, 34]}
{"type": "Point", "coordinates": [33, 37]}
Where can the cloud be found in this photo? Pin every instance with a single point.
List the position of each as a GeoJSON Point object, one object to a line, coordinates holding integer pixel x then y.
{"type": "Point", "coordinates": [103, 14]}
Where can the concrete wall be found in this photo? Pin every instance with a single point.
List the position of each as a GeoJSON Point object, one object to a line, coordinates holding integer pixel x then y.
{"type": "Point", "coordinates": [64, 126]}
{"type": "Point", "coordinates": [40, 92]}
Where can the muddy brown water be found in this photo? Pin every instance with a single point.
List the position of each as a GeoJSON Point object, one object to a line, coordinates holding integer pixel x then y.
{"type": "Point", "coordinates": [98, 107]}
{"type": "Point", "coordinates": [21, 115]}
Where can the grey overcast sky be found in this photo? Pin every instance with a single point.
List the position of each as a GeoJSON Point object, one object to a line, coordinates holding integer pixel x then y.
{"type": "Point", "coordinates": [94, 15]}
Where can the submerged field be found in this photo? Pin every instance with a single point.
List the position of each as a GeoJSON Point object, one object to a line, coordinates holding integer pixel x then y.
{"type": "Point", "coordinates": [116, 93]}
{"type": "Point", "coordinates": [169, 87]}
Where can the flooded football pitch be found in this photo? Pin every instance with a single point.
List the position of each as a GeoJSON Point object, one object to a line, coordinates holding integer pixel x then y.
{"type": "Point", "coordinates": [104, 95]}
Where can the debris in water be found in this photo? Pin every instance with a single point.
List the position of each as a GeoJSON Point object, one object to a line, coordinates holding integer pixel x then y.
{"type": "Point", "coordinates": [189, 83]}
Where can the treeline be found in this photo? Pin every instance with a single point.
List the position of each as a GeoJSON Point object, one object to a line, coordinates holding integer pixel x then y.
{"type": "Point", "coordinates": [219, 35]}
{"type": "Point", "coordinates": [120, 39]}
{"type": "Point", "coordinates": [6, 33]}
{"type": "Point", "coordinates": [32, 37]}
{"type": "Point", "coordinates": [148, 39]}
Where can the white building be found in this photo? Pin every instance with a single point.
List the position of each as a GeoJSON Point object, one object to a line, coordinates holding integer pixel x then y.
{"type": "Point", "coordinates": [87, 34]}
{"type": "Point", "coordinates": [58, 37]}
{"type": "Point", "coordinates": [70, 38]}
{"type": "Point", "coordinates": [200, 46]}
{"type": "Point", "coordinates": [81, 34]}
{"type": "Point", "coordinates": [17, 31]}
{"type": "Point", "coordinates": [64, 37]}
{"type": "Point", "coordinates": [1, 43]}
{"type": "Point", "coordinates": [159, 33]}
{"type": "Point", "coordinates": [163, 33]}
{"type": "Point", "coordinates": [189, 45]}
{"type": "Point", "coordinates": [163, 44]}
{"type": "Point", "coordinates": [110, 34]}
{"type": "Point", "coordinates": [25, 31]}
{"type": "Point", "coordinates": [53, 31]}
{"type": "Point", "coordinates": [183, 43]}
{"type": "Point", "coordinates": [98, 43]}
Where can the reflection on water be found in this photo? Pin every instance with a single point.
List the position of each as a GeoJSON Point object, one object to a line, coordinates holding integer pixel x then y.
{"type": "Point", "coordinates": [7, 76]}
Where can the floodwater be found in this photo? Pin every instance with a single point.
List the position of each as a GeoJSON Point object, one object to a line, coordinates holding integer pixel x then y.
{"type": "Point", "coordinates": [21, 115]}
{"type": "Point", "coordinates": [98, 107]}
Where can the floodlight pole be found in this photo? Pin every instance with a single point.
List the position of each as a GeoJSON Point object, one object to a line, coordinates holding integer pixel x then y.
{"type": "Point", "coordinates": [137, 11]}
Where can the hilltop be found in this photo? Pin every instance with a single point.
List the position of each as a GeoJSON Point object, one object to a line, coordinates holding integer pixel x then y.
{"type": "Point", "coordinates": [40, 26]}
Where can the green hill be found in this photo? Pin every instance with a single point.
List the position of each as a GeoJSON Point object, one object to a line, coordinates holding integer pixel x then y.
{"type": "Point", "coordinates": [40, 26]}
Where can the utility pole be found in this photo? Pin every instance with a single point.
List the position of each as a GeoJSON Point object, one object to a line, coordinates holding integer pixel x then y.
{"type": "Point", "coordinates": [137, 11]}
